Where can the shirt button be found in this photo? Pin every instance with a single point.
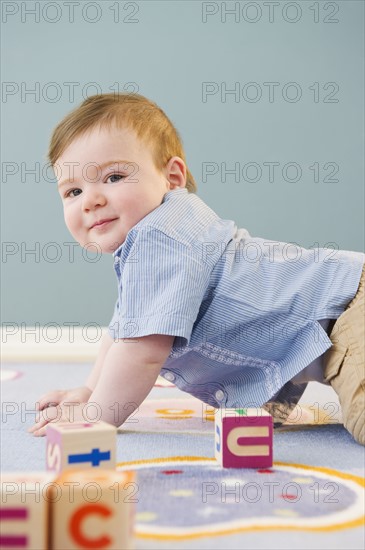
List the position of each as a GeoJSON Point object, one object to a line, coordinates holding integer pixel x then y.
{"type": "Point", "coordinates": [169, 376]}
{"type": "Point", "coordinates": [219, 395]}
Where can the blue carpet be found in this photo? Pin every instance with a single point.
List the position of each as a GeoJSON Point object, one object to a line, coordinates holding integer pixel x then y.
{"type": "Point", "coordinates": [311, 498]}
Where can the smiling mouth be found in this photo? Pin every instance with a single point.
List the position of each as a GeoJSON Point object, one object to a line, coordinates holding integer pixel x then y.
{"type": "Point", "coordinates": [103, 224]}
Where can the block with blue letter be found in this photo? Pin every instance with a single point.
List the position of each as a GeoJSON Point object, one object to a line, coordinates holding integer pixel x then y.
{"type": "Point", "coordinates": [24, 509]}
{"type": "Point", "coordinates": [80, 445]}
{"type": "Point", "coordinates": [244, 438]}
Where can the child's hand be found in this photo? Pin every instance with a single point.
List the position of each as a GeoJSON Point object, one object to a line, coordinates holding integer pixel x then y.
{"type": "Point", "coordinates": [52, 409]}
{"type": "Point", "coordinates": [56, 397]}
{"type": "Point", "coordinates": [68, 412]}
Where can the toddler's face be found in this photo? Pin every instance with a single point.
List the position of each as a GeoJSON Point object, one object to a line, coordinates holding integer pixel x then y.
{"type": "Point", "coordinates": [110, 175]}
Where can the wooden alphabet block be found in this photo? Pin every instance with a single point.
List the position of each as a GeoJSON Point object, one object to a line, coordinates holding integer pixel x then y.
{"type": "Point", "coordinates": [24, 517]}
{"type": "Point", "coordinates": [80, 445]}
{"type": "Point", "coordinates": [244, 438]}
{"type": "Point", "coordinates": [95, 510]}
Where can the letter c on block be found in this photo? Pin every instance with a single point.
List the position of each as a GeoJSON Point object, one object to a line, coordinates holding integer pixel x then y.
{"type": "Point", "coordinates": [249, 449]}
{"type": "Point", "coordinates": [75, 526]}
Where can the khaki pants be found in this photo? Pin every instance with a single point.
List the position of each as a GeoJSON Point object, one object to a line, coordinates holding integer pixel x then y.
{"type": "Point", "coordinates": [344, 363]}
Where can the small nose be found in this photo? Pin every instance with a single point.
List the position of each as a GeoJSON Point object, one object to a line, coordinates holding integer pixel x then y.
{"type": "Point", "coordinates": [92, 198]}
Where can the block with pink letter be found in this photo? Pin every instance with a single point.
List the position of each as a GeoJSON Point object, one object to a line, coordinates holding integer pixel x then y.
{"type": "Point", "coordinates": [74, 445]}
{"type": "Point", "coordinates": [24, 509]}
{"type": "Point", "coordinates": [244, 438]}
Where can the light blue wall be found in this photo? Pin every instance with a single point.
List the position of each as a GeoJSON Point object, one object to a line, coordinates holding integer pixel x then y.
{"type": "Point", "coordinates": [169, 52]}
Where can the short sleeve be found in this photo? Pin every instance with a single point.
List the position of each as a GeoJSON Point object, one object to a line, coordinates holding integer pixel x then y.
{"type": "Point", "coordinates": [114, 319]}
{"type": "Point", "coordinates": [162, 285]}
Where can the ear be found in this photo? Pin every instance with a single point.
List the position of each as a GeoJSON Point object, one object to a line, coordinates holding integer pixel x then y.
{"type": "Point", "coordinates": [175, 172]}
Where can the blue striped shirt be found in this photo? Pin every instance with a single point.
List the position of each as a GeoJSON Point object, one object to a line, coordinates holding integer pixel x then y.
{"type": "Point", "coordinates": [244, 310]}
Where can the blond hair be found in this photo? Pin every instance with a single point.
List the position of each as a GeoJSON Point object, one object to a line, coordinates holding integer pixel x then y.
{"type": "Point", "coordinates": [123, 110]}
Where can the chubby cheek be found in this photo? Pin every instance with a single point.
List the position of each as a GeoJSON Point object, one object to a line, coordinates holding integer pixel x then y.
{"type": "Point", "coordinates": [73, 223]}
{"type": "Point", "coordinates": [140, 207]}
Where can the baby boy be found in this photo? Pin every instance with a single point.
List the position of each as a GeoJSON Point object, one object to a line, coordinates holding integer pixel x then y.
{"type": "Point", "coordinates": [235, 320]}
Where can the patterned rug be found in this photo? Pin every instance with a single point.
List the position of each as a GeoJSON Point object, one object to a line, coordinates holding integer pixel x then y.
{"type": "Point", "coordinates": [184, 499]}
{"type": "Point", "coordinates": [197, 498]}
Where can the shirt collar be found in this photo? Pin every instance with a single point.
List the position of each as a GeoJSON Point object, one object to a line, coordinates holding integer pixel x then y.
{"type": "Point", "coordinates": [167, 196]}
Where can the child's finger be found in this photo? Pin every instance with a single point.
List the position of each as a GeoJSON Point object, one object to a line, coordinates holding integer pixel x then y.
{"type": "Point", "coordinates": [44, 417]}
{"type": "Point", "coordinates": [39, 424]}
{"type": "Point", "coordinates": [42, 405]}
{"type": "Point", "coordinates": [52, 398]}
{"type": "Point", "coordinates": [33, 428]}
{"type": "Point", "coordinates": [41, 432]}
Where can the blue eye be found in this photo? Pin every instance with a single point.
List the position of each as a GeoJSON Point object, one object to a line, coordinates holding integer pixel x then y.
{"type": "Point", "coordinates": [68, 194]}
{"type": "Point", "coordinates": [115, 175]}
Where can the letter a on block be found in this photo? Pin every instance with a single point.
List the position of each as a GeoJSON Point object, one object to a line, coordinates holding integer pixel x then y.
{"type": "Point", "coordinates": [244, 438]}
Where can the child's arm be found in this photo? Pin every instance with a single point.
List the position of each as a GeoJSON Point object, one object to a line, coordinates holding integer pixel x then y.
{"type": "Point", "coordinates": [106, 342]}
{"type": "Point", "coordinates": [81, 394]}
{"type": "Point", "coordinates": [128, 374]}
